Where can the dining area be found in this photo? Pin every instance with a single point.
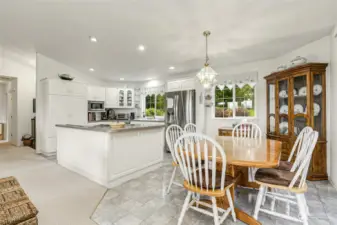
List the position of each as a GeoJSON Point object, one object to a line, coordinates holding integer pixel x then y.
{"type": "Point", "coordinates": [214, 168]}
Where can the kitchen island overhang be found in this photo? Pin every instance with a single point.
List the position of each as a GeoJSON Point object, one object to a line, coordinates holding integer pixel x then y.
{"type": "Point", "coordinates": [109, 156]}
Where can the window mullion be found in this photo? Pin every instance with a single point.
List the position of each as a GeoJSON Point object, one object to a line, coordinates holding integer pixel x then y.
{"type": "Point", "coordinates": [234, 101]}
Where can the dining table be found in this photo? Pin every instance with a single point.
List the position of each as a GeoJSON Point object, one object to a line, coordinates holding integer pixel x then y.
{"type": "Point", "coordinates": [242, 153]}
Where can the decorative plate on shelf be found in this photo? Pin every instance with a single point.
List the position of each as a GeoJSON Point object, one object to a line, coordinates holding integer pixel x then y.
{"type": "Point", "coordinates": [298, 109]}
{"type": "Point", "coordinates": [283, 94]}
{"type": "Point", "coordinates": [283, 128]}
{"type": "Point", "coordinates": [317, 89]}
{"type": "Point", "coordinates": [317, 109]}
{"type": "Point", "coordinates": [295, 92]}
{"type": "Point", "coordinates": [302, 91]}
{"type": "Point", "coordinates": [284, 109]}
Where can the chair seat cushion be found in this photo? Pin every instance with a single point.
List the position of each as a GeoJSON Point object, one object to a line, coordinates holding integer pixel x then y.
{"type": "Point", "coordinates": [15, 206]}
{"type": "Point", "coordinates": [285, 165]}
{"type": "Point", "coordinates": [276, 176]}
{"type": "Point", "coordinates": [228, 180]}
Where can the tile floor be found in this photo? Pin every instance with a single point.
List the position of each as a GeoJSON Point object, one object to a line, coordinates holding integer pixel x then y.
{"type": "Point", "coordinates": [143, 201]}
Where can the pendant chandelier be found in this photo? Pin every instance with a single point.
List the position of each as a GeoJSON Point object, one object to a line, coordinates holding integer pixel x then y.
{"type": "Point", "coordinates": [207, 75]}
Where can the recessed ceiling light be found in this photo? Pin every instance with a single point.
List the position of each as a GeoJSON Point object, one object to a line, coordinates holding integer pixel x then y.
{"type": "Point", "coordinates": [91, 69]}
{"type": "Point", "coordinates": [93, 39]}
{"type": "Point", "coordinates": [121, 78]}
{"type": "Point", "coordinates": [141, 48]}
{"type": "Point", "coordinates": [171, 68]}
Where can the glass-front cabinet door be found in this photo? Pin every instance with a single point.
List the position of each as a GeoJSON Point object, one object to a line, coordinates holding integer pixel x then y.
{"type": "Point", "coordinates": [283, 107]}
{"type": "Point", "coordinates": [271, 108]}
{"type": "Point", "coordinates": [300, 94]}
{"type": "Point", "coordinates": [319, 100]}
{"type": "Point", "coordinates": [121, 97]}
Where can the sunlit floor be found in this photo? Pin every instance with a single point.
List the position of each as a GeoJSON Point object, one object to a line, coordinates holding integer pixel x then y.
{"type": "Point", "coordinates": [61, 196]}
{"type": "Point", "coordinates": [66, 198]}
{"type": "Point", "coordinates": [143, 201]}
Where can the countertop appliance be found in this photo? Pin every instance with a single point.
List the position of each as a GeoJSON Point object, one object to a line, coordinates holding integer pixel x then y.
{"type": "Point", "coordinates": [111, 114]}
{"type": "Point", "coordinates": [180, 108]}
{"type": "Point", "coordinates": [122, 116]}
{"type": "Point", "coordinates": [132, 116]}
{"type": "Point", "coordinates": [96, 106]}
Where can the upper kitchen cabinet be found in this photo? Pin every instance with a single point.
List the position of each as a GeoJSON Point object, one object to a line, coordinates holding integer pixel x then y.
{"type": "Point", "coordinates": [96, 93]}
{"type": "Point", "coordinates": [126, 98]}
{"type": "Point", "coordinates": [181, 85]}
{"type": "Point", "coordinates": [63, 87]}
{"type": "Point", "coordinates": [111, 98]}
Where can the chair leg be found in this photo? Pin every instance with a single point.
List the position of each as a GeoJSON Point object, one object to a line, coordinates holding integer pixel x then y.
{"type": "Point", "coordinates": [215, 212]}
{"type": "Point", "coordinates": [265, 196]}
{"type": "Point", "coordinates": [230, 201]}
{"type": "Point", "coordinates": [172, 179]}
{"type": "Point", "coordinates": [185, 207]}
{"type": "Point", "coordinates": [306, 204]}
{"type": "Point", "coordinates": [259, 201]}
{"type": "Point", "coordinates": [302, 208]}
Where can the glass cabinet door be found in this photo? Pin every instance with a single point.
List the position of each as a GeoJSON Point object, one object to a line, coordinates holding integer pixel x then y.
{"type": "Point", "coordinates": [271, 108]}
{"type": "Point", "coordinates": [283, 103]}
{"type": "Point", "coordinates": [121, 98]}
{"type": "Point", "coordinates": [300, 103]}
{"type": "Point", "coordinates": [129, 98]}
{"type": "Point", "coordinates": [317, 107]}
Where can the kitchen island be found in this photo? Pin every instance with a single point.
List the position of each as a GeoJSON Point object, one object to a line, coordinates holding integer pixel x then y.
{"type": "Point", "coordinates": [110, 156]}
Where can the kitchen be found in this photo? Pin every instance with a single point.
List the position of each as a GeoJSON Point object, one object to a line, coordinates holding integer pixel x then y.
{"type": "Point", "coordinates": [110, 128]}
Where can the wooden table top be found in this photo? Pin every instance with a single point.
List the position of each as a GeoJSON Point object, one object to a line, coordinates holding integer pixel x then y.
{"type": "Point", "coordinates": [264, 153]}
{"type": "Point", "coordinates": [246, 152]}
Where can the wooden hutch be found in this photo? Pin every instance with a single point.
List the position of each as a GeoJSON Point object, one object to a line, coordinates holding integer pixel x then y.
{"type": "Point", "coordinates": [296, 97]}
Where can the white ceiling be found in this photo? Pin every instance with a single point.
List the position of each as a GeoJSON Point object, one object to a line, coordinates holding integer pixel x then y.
{"type": "Point", "coordinates": [242, 31]}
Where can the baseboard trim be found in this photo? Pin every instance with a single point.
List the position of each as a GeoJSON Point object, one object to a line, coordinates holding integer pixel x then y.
{"type": "Point", "coordinates": [333, 184]}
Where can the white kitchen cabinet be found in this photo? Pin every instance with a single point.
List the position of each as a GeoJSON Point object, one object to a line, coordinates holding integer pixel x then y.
{"type": "Point", "coordinates": [111, 97]}
{"type": "Point", "coordinates": [181, 85]}
{"type": "Point", "coordinates": [63, 87]}
{"type": "Point", "coordinates": [130, 98]}
{"type": "Point", "coordinates": [96, 93]}
{"type": "Point", "coordinates": [188, 84]}
{"type": "Point", "coordinates": [126, 98]}
{"type": "Point", "coordinates": [58, 108]}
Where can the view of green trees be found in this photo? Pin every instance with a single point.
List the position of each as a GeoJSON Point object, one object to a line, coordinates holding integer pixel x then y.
{"type": "Point", "coordinates": [154, 105]}
{"type": "Point", "coordinates": [243, 105]}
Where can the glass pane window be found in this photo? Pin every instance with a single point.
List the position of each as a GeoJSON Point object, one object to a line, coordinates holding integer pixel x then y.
{"type": "Point", "coordinates": [244, 101]}
{"type": "Point", "coordinates": [150, 105]}
{"type": "Point", "coordinates": [160, 99]}
{"type": "Point", "coordinates": [236, 102]}
{"type": "Point", "coordinates": [223, 102]}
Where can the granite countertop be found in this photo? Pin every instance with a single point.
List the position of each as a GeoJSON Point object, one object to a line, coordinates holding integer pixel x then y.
{"type": "Point", "coordinates": [107, 129]}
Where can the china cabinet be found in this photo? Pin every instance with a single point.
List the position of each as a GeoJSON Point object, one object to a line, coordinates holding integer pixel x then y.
{"type": "Point", "coordinates": [295, 99]}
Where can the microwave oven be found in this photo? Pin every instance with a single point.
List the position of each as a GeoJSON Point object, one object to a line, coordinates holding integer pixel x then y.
{"type": "Point", "coordinates": [96, 106]}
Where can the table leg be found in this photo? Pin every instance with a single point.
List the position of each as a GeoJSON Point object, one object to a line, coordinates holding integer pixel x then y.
{"type": "Point", "coordinates": [223, 202]}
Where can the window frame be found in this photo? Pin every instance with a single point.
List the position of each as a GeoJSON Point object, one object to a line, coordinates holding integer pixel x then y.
{"type": "Point", "coordinates": [234, 117]}
{"type": "Point", "coordinates": [155, 106]}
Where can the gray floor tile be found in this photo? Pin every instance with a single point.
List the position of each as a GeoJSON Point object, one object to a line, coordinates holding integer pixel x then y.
{"type": "Point", "coordinates": [143, 201]}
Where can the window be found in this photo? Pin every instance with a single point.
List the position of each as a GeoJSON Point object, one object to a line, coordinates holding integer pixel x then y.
{"type": "Point", "coordinates": [154, 105]}
{"type": "Point", "coordinates": [242, 106]}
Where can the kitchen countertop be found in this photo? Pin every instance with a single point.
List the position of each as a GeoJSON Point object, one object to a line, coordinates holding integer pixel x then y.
{"type": "Point", "coordinates": [137, 119]}
{"type": "Point", "coordinates": [107, 129]}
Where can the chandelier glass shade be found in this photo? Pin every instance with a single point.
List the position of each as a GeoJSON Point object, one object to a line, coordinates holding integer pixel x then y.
{"type": "Point", "coordinates": [207, 75]}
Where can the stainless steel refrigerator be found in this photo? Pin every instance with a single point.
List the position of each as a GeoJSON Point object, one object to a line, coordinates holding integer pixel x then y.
{"type": "Point", "coordinates": [180, 108]}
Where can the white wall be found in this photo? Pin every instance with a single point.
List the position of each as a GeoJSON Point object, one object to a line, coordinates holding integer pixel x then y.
{"type": "Point", "coordinates": [3, 103]}
{"type": "Point", "coordinates": [317, 51]}
{"type": "Point", "coordinates": [20, 65]}
{"type": "Point", "coordinates": [333, 108]}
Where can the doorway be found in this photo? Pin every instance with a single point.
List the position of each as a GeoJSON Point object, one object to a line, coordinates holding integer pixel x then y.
{"type": "Point", "coordinates": [7, 119]}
